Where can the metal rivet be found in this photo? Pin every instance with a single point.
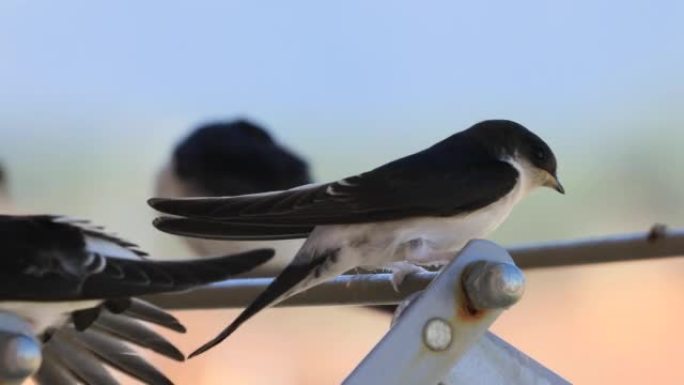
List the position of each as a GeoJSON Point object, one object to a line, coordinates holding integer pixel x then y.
{"type": "Point", "coordinates": [437, 334]}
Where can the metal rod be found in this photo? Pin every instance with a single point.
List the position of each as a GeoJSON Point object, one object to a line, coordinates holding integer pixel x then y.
{"type": "Point", "coordinates": [376, 289]}
{"type": "Point", "coordinates": [360, 289]}
{"type": "Point", "coordinates": [659, 242]}
{"type": "Point", "coordinates": [439, 327]}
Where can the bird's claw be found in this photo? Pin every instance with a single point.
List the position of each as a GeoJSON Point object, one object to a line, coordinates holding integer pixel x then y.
{"type": "Point", "coordinates": [400, 270]}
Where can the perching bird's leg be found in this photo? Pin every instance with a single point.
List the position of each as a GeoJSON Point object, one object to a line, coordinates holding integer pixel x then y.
{"type": "Point", "coordinates": [400, 270]}
{"type": "Point", "coordinates": [414, 253]}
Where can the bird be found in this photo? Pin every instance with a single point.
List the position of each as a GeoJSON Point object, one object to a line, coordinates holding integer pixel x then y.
{"type": "Point", "coordinates": [232, 157]}
{"type": "Point", "coordinates": [417, 210]}
{"type": "Point", "coordinates": [75, 284]}
{"type": "Point", "coordinates": [71, 356]}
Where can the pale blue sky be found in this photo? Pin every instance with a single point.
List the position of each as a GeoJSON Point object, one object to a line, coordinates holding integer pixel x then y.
{"type": "Point", "coordinates": [101, 90]}
{"type": "Point", "coordinates": [349, 62]}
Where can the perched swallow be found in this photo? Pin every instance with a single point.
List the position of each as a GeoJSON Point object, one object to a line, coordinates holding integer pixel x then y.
{"type": "Point", "coordinates": [232, 158]}
{"type": "Point", "coordinates": [73, 283]}
{"type": "Point", "coordinates": [416, 210]}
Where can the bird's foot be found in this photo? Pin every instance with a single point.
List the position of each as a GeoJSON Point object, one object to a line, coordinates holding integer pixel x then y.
{"type": "Point", "coordinates": [402, 269]}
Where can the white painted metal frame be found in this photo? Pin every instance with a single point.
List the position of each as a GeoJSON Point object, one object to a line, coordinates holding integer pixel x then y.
{"type": "Point", "coordinates": [441, 337]}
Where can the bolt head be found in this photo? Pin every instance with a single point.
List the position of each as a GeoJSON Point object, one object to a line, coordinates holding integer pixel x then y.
{"type": "Point", "coordinates": [493, 285]}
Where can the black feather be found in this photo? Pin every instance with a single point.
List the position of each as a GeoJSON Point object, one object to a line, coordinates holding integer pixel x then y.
{"type": "Point", "coordinates": [47, 258]}
{"type": "Point", "coordinates": [178, 275]}
{"type": "Point", "coordinates": [148, 312]}
{"type": "Point", "coordinates": [118, 305]}
{"type": "Point", "coordinates": [80, 363]}
{"type": "Point", "coordinates": [137, 333]}
{"type": "Point", "coordinates": [82, 319]}
{"type": "Point", "coordinates": [52, 372]}
{"type": "Point", "coordinates": [118, 355]}
{"type": "Point", "coordinates": [293, 274]}
{"type": "Point", "coordinates": [207, 229]}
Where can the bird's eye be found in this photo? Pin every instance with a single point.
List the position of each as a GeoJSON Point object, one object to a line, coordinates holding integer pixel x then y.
{"type": "Point", "coordinates": [540, 154]}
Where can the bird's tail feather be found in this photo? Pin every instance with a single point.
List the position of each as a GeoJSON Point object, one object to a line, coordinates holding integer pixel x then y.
{"type": "Point", "coordinates": [52, 372]}
{"type": "Point", "coordinates": [208, 229]}
{"type": "Point", "coordinates": [148, 312]}
{"type": "Point", "coordinates": [280, 289]}
{"type": "Point", "coordinates": [115, 353]}
{"type": "Point", "coordinates": [66, 352]}
{"type": "Point", "coordinates": [137, 333]}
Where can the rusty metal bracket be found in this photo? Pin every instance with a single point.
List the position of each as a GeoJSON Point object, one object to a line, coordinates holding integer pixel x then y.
{"type": "Point", "coordinates": [432, 339]}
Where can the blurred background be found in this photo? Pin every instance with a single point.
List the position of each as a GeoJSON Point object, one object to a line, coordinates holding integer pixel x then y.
{"type": "Point", "coordinates": [94, 95]}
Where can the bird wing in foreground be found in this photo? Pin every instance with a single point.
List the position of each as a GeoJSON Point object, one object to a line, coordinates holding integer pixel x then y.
{"type": "Point", "coordinates": [48, 260]}
{"type": "Point", "coordinates": [60, 265]}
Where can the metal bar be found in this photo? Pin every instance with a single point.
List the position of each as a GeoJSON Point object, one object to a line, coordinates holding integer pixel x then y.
{"type": "Point", "coordinates": [376, 289]}
{"type": "Point", "coordinates": [360, 289]}
{"type": "Point", "coordinates": [441, 325]}
{"type": "Point", "coordinates": [659, 242]}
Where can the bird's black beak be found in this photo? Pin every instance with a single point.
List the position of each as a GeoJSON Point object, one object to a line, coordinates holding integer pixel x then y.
{"type": "Point", "coordinates": [553, 182]}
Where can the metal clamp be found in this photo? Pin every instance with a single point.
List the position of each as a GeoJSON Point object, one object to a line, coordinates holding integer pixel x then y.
{"type": "Point", "coordinates": [439, 328]}
{"type": "Point", "coordinates": [20, 354]}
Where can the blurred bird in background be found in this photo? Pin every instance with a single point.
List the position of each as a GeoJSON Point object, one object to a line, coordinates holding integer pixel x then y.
{"type": "Point", "coordinates": [232, 158]}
